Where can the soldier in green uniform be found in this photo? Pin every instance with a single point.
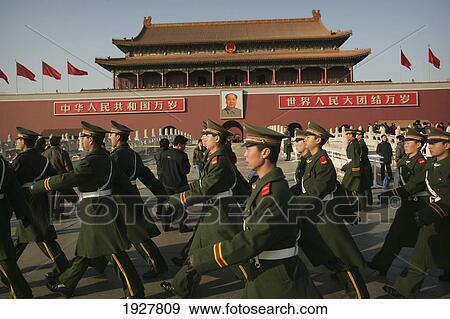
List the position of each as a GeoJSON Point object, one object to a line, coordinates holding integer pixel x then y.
{"type": "Point", "coordinates": [220, 182]}
{"type": "Point", "coordinates": [30, 166]}
{"type": "Point", "coordinates": [11, 198]}
{"type": "Point", "coordinates": [404, 230]}
{"type": "Point", "coordinates": [299, 137]}
{"type": "Point", "coordinates": [352, 176]}
{"type": "Point", "coordinates": [268, 240]}
{"type": "Point", "coordinates": [433, 243]}
{"type": "Point", "coordinates": [365, 190]}
{"type": "Point", "coordinates": [101, 232]}
{"type": "Point", "coordinates": [139, 224]}
{"type": "Point", "coordinates": [319, 182]}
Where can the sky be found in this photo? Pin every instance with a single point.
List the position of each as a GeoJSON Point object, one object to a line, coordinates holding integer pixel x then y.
{"type": "Point", "coordinates": [80, 31]}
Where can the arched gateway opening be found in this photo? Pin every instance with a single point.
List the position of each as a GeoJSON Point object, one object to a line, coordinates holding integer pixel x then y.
{"type": "Point", "coordinates": [236, 129]}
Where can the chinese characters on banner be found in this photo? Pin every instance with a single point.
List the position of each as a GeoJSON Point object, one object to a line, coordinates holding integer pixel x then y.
{"type": "Point", "coordinates": [118, 106]}
{"type": "Point", "coordinates": [344, 100]}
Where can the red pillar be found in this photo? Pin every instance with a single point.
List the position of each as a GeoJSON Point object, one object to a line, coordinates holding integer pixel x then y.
{"type": "Point", "coordinates": [299, 76]}
{"type": "Point", "coordinates": [187, 78]}
{"type": "Point", "coordinates": [212, 77]}
{"type": "Point", "coordinates": [114, 80]}
{"type": "Point", "coordinates": [273, 76]}
{"type": "Point", "coordinates": [137, 80]}
{"type": "Point", "coordinates": [326, 75]}
{"type": "Point", "coordinates": [351, 74]}
{"type": "Point", "coordinates": [248, 76]}
{"type": "Point", "coordinates": [162, 78]}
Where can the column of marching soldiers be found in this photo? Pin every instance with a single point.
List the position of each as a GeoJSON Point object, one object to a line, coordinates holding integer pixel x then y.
{"type": "Point", "coordinates": [271, 236]}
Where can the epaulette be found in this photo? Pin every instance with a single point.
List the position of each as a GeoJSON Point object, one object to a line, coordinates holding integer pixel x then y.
{"type": "Point", "coordinates": [265, 190]}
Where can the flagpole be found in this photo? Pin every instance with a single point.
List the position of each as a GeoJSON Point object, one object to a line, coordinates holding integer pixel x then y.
{"type": "Point", "coordinates": [68, 85]}
{"type": "Point", "coordinates": [429, 66]}
{"type": "Point", "coordinates": [42, 76]}
{"type": "Point", "coordinates": [17, 85]}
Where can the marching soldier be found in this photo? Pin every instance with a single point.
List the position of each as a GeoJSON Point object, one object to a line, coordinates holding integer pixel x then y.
{"type": "Point", "coordinates": [433, 243]}
{"type": "Point", "coordinates": [11, 198]}
{"type": "Point", "coordinates": [319, 182]}
{"type": "Point", "coordinates": [101, 232]}
{"type": "Point", "coordinates": [267, 240]}
{"type": "Point", "coordinates": [140, 226]}
{"type": "Point", "coordinates": [366, 172]}
{"type": "Point", "coordinates": [299, 138]}
{"type": "Point", "coordinates": [404, 230]}
{"type": "Point", "coordinates": [352, 177]}
{"type": "Point", "coordinates": [31, 167]}
{"type": "Point", "coordinates": [219, 183]}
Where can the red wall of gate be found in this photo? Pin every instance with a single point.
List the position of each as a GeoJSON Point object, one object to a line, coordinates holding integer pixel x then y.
{"type": "Point", "coordinates": [260, 108]}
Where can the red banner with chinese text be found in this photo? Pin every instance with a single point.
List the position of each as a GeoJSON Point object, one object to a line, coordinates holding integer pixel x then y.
{"type": "Point", "coordinates": [119, 106]}
{"type": "Point", "coordinates": [349, 100]}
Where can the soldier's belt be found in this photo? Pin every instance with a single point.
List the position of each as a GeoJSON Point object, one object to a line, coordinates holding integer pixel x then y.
{"type": "Point", "coordinates": [421, 194]}
{"type": "Point", "coordinates": [278, 254]}
{"type": "Point", "coordinates": [106, 192]}
{"type": "Point", "coordinates": [133, 182]}
{"type": "Point", "coordinates": [227, 193]}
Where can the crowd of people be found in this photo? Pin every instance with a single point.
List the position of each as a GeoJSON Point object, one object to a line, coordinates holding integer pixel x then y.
{"type": "Point", "coordinates": [274, 254]}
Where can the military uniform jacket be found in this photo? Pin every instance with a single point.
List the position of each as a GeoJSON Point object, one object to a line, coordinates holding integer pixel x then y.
{"type": "Point", "coordinates": [262, 230]}
{"type": "Point", "coordinates": [435, 179]}
{"type": "Point", "coordinates": [222, 218]}
{"type": "Point", "coordinates": [352, 177]}
{"type": "Point", "coordinates": [319, 181]}
{"type": "Point", "coordinates": [101, 232]}
{"type": "Point", "coordinates": [408, 167]}
{"type": "Point", "coordinates": [139, 223]}
{"type": "Point", "coordinates": [59, 158]}
{"type": "Point", "coordinates": [296, 189]}
{"type": "Point", "coordinates": [366, 168]}
{"type": "Point", "coordinates": [266, 228]}
{"type": "Point", "coordinates": [11, 198]}
{"type": "Point", "coordinates": [404, 216]}
{"type": "Point", "coordinates": [30, 166]}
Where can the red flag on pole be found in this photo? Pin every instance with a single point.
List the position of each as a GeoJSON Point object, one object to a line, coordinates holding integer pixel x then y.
{"type": "Point", "coordinates": [23, 71]}
{"type": "Point", "coordinates": [50, 71]}
{"type": "Point", "coordinates": [433, 59]}
{"type": "Point", "coordinates": [3, 76]}
{"type": "Point", "coordinates": [74, 71]}
{"type": "Point", "coordinates": [404, 60]}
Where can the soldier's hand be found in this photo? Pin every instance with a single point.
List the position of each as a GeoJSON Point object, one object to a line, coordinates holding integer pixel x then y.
{"type": "Point", "coordinates": [190, 264]}
{"type": "Point", "coordinates": [426, 216]}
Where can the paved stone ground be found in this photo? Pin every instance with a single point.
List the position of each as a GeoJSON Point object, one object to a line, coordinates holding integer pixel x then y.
{"type": "Point", "coordinates": [221, 284]}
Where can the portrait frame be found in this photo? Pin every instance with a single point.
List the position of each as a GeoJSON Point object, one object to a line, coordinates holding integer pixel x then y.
{"type": "Point", "coordinates": [236, 112]}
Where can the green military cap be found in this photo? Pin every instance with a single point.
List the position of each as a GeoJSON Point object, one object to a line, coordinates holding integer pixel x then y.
{"type": "Point", "coordinates": [436, 135]}
{"type": "Point", "coordinates": [119, 128]}
{"type": "Point", "coordinates": [92, 130]}
{"type": "Point", "coordinates": [26, 134]}
{"type": "Point", "coordinates": [299, 134]}
{"type": "Point", "coordinates": [350, 130]}
{"type": "Point", "coordinates": [215, 129]}
{"type": "Point", "coordinates": [317, 130]}
{"type": "Point", "coordinates": [360, 131]}
{"type": "Point", "coordinates": [414, 135]}
{"type": "Point", "coordinates": [261, 135]}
